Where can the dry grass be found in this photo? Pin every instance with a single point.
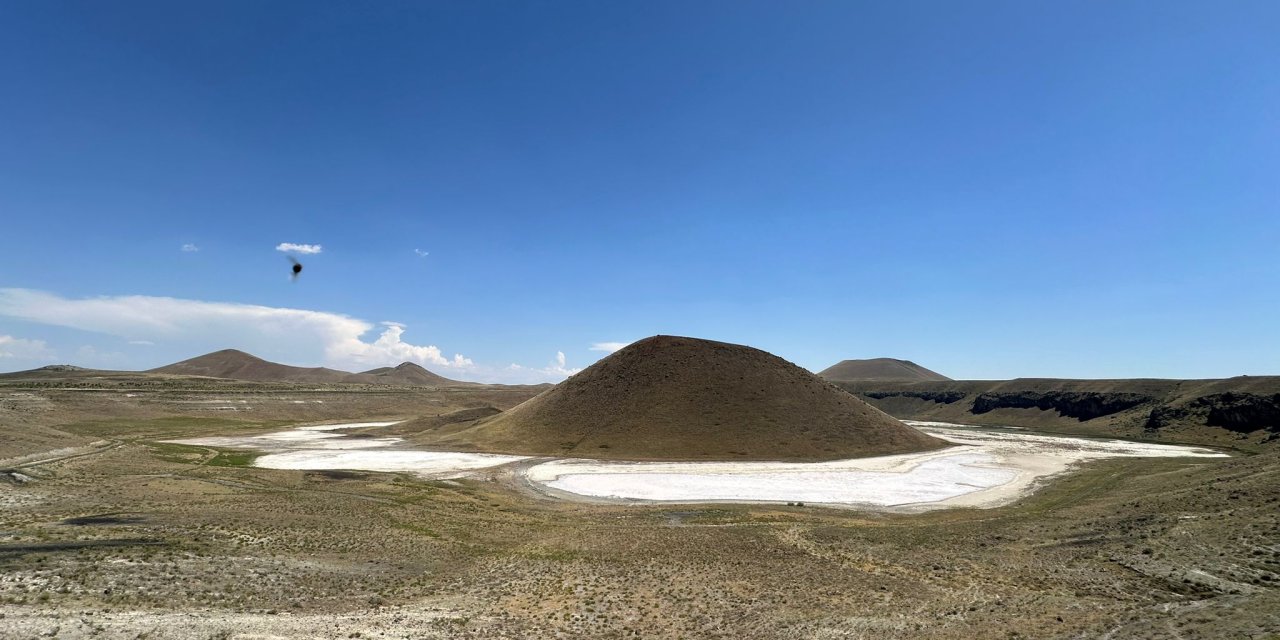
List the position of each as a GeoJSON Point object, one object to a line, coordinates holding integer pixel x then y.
{"type": "Point", "coordinates": [140, 538]}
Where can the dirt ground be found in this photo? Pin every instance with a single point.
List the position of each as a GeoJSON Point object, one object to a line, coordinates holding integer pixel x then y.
{"type": "Point", "coordinates": [114, 535]}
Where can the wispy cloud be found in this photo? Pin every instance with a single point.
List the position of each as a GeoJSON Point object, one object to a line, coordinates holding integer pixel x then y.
{"type": "Point", "coordinates": [608, 347]}
{"type": "Point", "coordinates": [555, 371]}
{"type": "Point", "coordinates": [294, 335]}
{"type": "Point", "coordinates": [421, 254]}
{"type": "Point", "coordinates": [143, 343]}
{"type": "Point", "coordinates": [20, 349]}
{"type": "Point", "coordinates": [290, 247]}
{"type": "Point", "coordinates": [190, 248]}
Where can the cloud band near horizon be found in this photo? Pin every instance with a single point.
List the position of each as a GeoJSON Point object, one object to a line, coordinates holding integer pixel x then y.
{"type": "Point", "coordinates": [151, 319]}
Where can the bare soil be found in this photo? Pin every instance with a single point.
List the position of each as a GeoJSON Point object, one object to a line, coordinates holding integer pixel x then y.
{"type": "Point", "coordinates": [123, 537]}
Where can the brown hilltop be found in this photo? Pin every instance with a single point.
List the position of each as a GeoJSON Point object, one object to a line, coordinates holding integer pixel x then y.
{"type": "Point", "coordinates": [408, 373]}
{"type": "Point", "coordinates": [879, 369]}
{"type": "Point", "coordinates": [674, 398]}
{"type": "Point", "coordinates": [238, 365]}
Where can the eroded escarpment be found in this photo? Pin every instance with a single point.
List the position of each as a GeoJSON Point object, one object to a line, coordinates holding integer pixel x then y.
{"type": "Point", "coordinates": [1081, 405]}
{"type": "Point", "coordinates": [944, 397]}
{"type": "Point", "coordinates": [1241, 411]}
{"type": "Point", "coordinates": [1238, 412]}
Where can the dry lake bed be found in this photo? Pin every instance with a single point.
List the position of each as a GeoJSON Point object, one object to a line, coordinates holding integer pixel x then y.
{"type": "Point", "coordinates": [986, 467]}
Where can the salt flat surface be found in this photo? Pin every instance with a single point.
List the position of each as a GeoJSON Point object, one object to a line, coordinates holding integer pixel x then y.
{"type": "Point", "coordinates": [435, 464]}
{"type": "Point", "coordinates": [289, 440]}
{"type": "Point", "coordinates": [989, 469]}
{"type": "Point", "coordinates": [1061, 445]}
{"type": "Point", "coordinates": [313, 437]}
{"type": "Point", "coordinates": [317, 447]}
{"type": "Point", "coordinates": [347, 425]}
{"type": "Point", "coordinates": [930, 481]}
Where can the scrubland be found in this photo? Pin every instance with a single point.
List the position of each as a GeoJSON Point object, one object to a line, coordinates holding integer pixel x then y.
{"type": "Point", "coordinates": [126, 537]}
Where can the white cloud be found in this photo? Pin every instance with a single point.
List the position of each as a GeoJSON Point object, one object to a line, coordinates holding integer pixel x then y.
{"type": "Point", "coordinates": [608, 347]}
{"type": "Point", "coordinates": [289, 247]}
{"type": "Point", "coordinates": [389, 346]}
{"type": "Point", "coordinates": [20, 349]}
{"type": "Point", "coordinates": [144, 343]}
{"type": "Point", "coordinates": [190, 248]}
{"type": "Point", "coordinates": [558, 367]}
{"type": "Point", "coordinates": [421, 253]}
{"type": "Point", "coordinates": [555, 371]}
{"type": "Point", "coordinates": [293, 335]}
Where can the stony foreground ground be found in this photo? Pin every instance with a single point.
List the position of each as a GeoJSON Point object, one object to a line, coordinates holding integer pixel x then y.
{"type": "Point", "coordinates": [128, 538]}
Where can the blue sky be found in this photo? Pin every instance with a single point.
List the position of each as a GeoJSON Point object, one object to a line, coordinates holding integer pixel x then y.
{"type": "Point", "coordinates": [991, 189]}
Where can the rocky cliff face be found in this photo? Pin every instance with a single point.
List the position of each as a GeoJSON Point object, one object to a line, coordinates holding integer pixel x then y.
{"type": "Point", "coordinates": [1243, 411]}
{"type": "Point", "coordinates": [1238, 412]}
{"type": "Point", "coordinates": [945, 397]}
{"type": "Point", "coordinates": [1081, 405]}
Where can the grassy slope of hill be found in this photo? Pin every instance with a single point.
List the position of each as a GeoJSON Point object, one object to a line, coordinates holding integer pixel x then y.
{"type": "Point", "coordinates": [682, 398]}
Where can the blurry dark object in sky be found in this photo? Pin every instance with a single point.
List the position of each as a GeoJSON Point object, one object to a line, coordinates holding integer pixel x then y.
{"type": "Point", "coordinates": [297, 268]}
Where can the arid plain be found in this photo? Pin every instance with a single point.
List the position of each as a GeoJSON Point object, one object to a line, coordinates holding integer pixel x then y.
{"type": "Point", "coordinates": [109, 531]}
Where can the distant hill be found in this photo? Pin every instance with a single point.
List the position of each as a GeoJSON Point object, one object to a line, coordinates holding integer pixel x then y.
{"type": "Point", "coordinates": [408, 373]}
{"type": "Point", "coordinates": [879, 369]}
{"type": "Point", "coordinates": [675, 398]}
{"type": "Point", "coordinates": [62, 368]}
{"type": "Point", "coordinates": [238, 365]}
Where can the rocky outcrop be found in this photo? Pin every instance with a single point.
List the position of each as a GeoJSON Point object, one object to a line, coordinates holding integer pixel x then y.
{"type": "Point", "coordinates": [1166, 416]}
{"type": "Point", "coordinates": [1081, 405]}
{"type": "Point", "coordinates": [1239, 412]}
{"type": "Point", "coordinates": [1243, 411]}
{"type": "Point", "coordinates": [942, 397]}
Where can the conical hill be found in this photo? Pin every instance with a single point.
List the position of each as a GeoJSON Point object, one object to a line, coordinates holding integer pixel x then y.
{"type": "Point", "coordinates": [675, 398]}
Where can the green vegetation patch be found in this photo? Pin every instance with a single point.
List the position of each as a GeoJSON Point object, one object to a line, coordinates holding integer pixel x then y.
{"type": "Point", "coordinates": [177, 452]}
{"type": "Point", "coordinates": [233, 459]}
{"type": "Point", "coordinates": [188, 454]}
